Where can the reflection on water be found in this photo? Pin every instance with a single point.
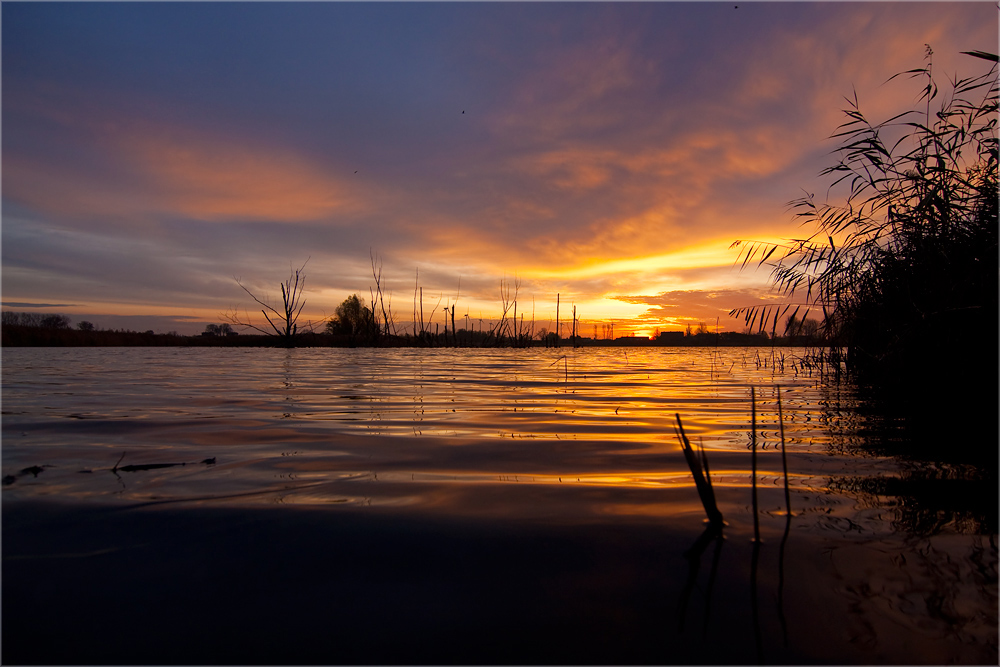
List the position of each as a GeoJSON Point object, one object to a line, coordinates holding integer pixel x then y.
{"type": "Point", "coordinates": [304, 425]}
{"type": "Point", "coordinates": [542, 437]}
{"type": "Point", "coordinates": [405, 425]}
{"type": "Point", "coordinates": [608, 395]}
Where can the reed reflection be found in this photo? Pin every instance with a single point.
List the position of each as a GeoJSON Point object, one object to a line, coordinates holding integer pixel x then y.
{"type": "Point", "coordinates": [939, 484]}
{"type": "Point", "coordinates": [711, 535]}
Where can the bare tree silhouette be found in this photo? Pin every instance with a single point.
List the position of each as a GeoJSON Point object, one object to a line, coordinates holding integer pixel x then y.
{"type": "Point", "coordinates": [282, 320]}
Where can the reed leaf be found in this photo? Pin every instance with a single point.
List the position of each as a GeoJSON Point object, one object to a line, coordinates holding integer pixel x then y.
{"type": "Point", "coordinates": [703, 483]}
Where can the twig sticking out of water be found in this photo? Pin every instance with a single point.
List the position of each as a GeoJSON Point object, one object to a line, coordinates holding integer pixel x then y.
{"type": "Point", "coordinates": [565, 366]}
{"type": "Point", "coordinates": [701, 480]}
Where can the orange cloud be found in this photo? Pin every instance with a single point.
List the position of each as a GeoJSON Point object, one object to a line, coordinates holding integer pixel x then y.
{"type": "Point", "coordinates": [217, 181]}
{"type": "Point", "coordinates": [138, 171]}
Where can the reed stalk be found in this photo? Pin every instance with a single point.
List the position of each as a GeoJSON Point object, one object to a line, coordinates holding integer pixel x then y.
{"type": "Point", "coordinates": [784, 460]}
{"type": "Point", "coordinates": [755, 555]}
{"type": "Point", "coordinates": [788, 526]}
{"type": "Point", "coordinates": [702, 482]}
{"type": "Point", "coordinates": [753, 461]}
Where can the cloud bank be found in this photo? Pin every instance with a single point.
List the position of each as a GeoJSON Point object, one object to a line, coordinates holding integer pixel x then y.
{"type": "Point", "coordinates": [605, 151]}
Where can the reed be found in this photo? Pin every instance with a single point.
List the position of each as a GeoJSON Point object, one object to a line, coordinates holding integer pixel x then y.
{"type": "Point", "coordinates": [753, 461]}
{"type": "Point", "coordinates": [387, 325]}
{"type": "Point", "coordinates": [755, 554]}
{"type": "Point", "coordinates": [788, 527]}
{"type": "Point", "coordinates": [911, 249]}
{"type": "Point", "coordinates": [784, 460]}
{"type": "Point", "coordinates": [700, 473]}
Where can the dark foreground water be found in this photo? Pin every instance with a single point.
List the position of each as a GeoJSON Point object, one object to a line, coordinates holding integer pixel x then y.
{"type": "Point", "coordinates": [262, 506]}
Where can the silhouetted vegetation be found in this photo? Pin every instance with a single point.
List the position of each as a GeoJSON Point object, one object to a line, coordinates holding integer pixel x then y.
{"type": "Point", "coordinates": [16, 335]}
{"type": "Point", "coordinates": [283, 323]}
{"type": "Point", "coordinates": [355, 320]}
{"type": "Point", "coordinates": [698, 463]}
{"type": "Point", "coordinates": [336, 335]}
{"type": "Point", "coordinates": [34, 334]}
{"type": "Point", "coordinates": [906, 264]}
{"type": "Point", "coordinates": [383, 323]}
{"type": "Point", "coordinates": [219, 330]}
{"type": "Point", "coordinates": [37, 320]}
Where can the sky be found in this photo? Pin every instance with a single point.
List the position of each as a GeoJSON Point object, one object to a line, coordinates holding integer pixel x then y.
{"type": "Point", "coordinates": [609, 153]}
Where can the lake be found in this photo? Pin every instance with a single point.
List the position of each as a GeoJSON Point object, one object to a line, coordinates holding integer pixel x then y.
{"type": "Point", "coordinates": [325, 506]}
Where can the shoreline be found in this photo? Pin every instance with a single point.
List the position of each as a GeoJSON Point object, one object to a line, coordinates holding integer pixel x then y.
{"type": "Point", "coordinates": [21, 336]}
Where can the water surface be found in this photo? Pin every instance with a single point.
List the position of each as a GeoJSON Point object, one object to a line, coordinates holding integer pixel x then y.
{"type": "Point", "coordinates": [574, 447]}
{"type": "Point", "coordinates": [301, 425]}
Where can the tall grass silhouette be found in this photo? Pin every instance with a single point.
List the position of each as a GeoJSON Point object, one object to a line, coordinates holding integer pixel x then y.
{"type": "Point", "coordinates": [698, 463]}
{"type": "Point", "coordinates": [912, 248]}
{"type": "Point", "coordinates": [901, 260]}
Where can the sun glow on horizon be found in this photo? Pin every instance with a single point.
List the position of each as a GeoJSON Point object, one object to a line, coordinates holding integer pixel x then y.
{"type": "Point", "coordinates": [712, 254]}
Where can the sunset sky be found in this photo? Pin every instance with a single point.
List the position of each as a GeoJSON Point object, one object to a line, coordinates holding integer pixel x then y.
{"type": "Point", "coordinates": [607, 152]}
